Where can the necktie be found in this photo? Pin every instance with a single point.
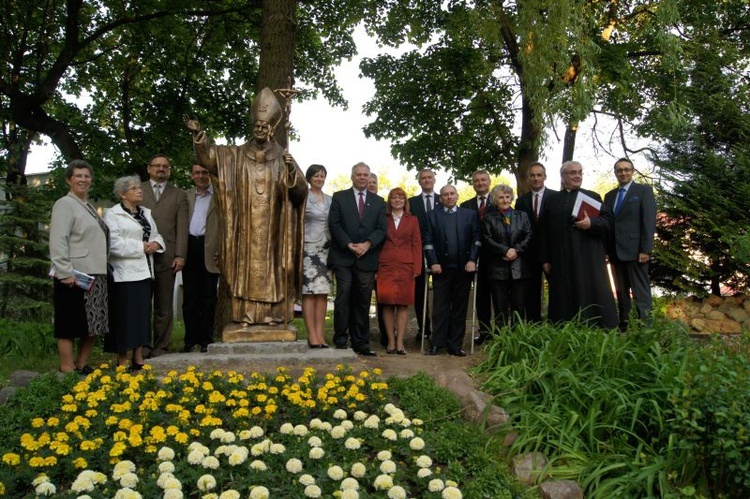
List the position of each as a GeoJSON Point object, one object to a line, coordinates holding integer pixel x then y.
{"type": "Point", "coordinates": [157, 192]}
{"type": "Point", "coordinates": [361, 204]}
{"type": "Point", "coordinates": [428, 202]}
{"type": "Point", "coordinates": [482, 207]}
{"type": "Point", "coordinates": [536, 206]}
{"type": "Point", "coordinates": [618, 203]}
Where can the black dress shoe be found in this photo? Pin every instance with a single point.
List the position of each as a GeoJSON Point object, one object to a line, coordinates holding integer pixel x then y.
{"type": "Point", "coordinates": [457, 353]}
{"type": "Point", "coordinates": [482, 338]}
{"type": "Point", "coordinates": [187, 348]}
{"type": "Point", "coordinates": [433, 350]}
{"type": "Point", "coordinates": [204, 348]}
{"type": "Point", "coordinates": [366, 353]}
{"type": "Point", "coordinates": [341, 347]}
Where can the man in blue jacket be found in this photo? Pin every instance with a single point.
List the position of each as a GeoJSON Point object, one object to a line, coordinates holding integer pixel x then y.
{"type": "Point", "coordinates": [452, 240]}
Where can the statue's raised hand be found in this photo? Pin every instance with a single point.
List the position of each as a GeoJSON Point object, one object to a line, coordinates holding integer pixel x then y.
{"type": "Point", "coordinates": [191, 124]}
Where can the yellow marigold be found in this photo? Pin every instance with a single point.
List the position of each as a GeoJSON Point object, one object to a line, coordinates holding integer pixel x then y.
{"type": "Point", "coordinates": [11, 459]}
{"type": "Point", "coordinates": [61, 436]}
{"type": "Point", "coordinates": [261, 397]}
{"type": "Point", "coordinates": [36, 462]}
{"type": "Point", "coordinates": [200, 409]}
{"type": "Point", "coordinates": [50, 461]}
{"type": "Point", "coordinates": [242, 412]}
{"type": "Point", "coordinates": [256, 410]}
{"type": "Point", "coordinates": [273, 390]}
{"type": "Point", "coordinates": [69, 408]}
{"type": "Point", "coordinates": [37, 422]}
{"type": "Point", "coordinates": [181, 438]}
{"type": "Point", "coordinates": [216, 397]}
{"type": "Point", "coordinates": [262, 386]}
{"type": "Point", "coordinates": [270, 409]}
{"type": "Point", "coordinates": [44, 439]}
{"type": "Point", "coordinates": [124, 424]}
{"type": "Point", "coordinates": [161, 394]}
{"type": "Point", "coordinates": [80, 463]}
{"type": "Point", "coordinates": [195, 432]}
{"type": "Point", "coordinates": [117, 449]}
{"type": "Point", "coordinates": [135, 440]}
{"type": "Point", "coordinates": [91, 414]}
{"type": "Point", "coordinates": [183, 416]}
{"type": "Point", "coordinates": [87, 445]}
{"type": "Point", "coordinates": [60, 448]}
{"type": "Point", "coordinates": [332, 400]}
{"type": "Point", "coordinates": [81, 386]}
{"type": "Point", "coordinates": [111, 421]}
{"type": "Point", "coordinates": [2, 489]}
{"type": "Point", "coordinates": [150, 449]}
{"type": "Point", "coordinates": [207, 386]}
{"type": "Point", "coordinates": [172, 430]}
{"type": "Point", "coordinates": [82, 422]}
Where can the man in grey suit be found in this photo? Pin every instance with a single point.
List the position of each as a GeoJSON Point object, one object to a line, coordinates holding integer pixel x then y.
{"type": "Point", "coordinates": [357, 224]}
{"type": "Point", "coordinates": [201, 273]}
{"type": "Point", "coordinates": [531, 203]}
{"type": "Point", "coordinates": [632, 241]}
{"type": "Point", "coordinates": [169, 207]}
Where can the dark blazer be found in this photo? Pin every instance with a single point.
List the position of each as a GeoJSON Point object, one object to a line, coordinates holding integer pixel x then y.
{"type": "Point", "coordinates": [525, 203]}
{"type": "Point", "coordinates": [211, 241]}
{"type": "Point", "coordinates": [496, 242]}
{"type": "Point", "coordinates": [435, 236]}
{"type": "Point", "coordinates": [635, 225]}
{"type": "Point", "coordinates": [416, 207]}
{"type": "Point", "coordinates": [346, 227]}
{"type": "Point", "coordinates": [473, 204]}
{"type": "Point", "coordinates": [171, 216]}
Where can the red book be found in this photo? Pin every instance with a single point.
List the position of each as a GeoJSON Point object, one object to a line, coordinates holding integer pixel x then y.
{"type": "Point", "coordinates": [585, 205]}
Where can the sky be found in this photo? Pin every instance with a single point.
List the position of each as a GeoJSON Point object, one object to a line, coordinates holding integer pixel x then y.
{"type": "Point", "coordinates": [333, 136]}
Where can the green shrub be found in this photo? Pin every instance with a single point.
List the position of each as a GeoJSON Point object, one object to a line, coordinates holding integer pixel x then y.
{"type": "Point", "coordinates": [26, 339]}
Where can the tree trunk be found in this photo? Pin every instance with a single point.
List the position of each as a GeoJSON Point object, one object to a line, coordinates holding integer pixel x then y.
{"type": "Point", "coordinates": [569, 144]}
{"type": "Point", "coordinates": [528, 149]}
{"type": "Point", "coordinates": [278, 37]}
{"type": "Point", "coordinates": [17, 143]}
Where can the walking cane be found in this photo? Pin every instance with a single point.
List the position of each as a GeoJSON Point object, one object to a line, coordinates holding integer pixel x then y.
{"type": "Point", "coordinates": [424, 306]}
{"type": "Point", "coordinates": [474, 311]}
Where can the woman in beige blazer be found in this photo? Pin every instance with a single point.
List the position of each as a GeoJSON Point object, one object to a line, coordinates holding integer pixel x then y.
{"type": "Point", "coordinates": [78, 244]}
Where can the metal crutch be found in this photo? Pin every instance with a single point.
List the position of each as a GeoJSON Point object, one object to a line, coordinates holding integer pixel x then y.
{"type": "Point", "coordinates": [424, 305]}
{"type": "Point", "coordinates": [474, 311]}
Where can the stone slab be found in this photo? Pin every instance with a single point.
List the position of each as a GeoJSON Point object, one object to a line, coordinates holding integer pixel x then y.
{"type": "Point", "coordinates": [244, 333]}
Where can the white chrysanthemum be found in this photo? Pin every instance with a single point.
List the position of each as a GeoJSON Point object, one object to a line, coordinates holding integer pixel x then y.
{"type": "Point", "coordinates": [389, 408]}
{"type": "Point", "coordinates": [314, 441]}
{"type": "Point", "coordinates": [416, 443]}
{"type": "Point", "coordinates": [238, 457]}
{"type": "Point", "coordinates": [384, 455]}
{"type": "Point", "coordinates": [286, 429]}
{"type": "Point", "coordinates": [244, 435]}
{"type": "Point", "coordinates": [424, 461]}
{"type": "Point", "coordinates": [257, 450]}
{"type": "Point", "coordinates": [212, 495]}
{"type": "Point", "coordinates": [259, 492]}
{"type": "Point", "coordinates": [352, 443]}
{"type": "Point", "coordinates": [162, 480]}
{"type": "Point", "coordinates": [301, 430]}
{"type": "Point", "coordinates": [388, 467]}
{"type": "Point", "coordinates": [338, 432]}
{"type": "Point", "coordinates": [195, 457]}
{"type": "Point", "coordinates": [206, 482]}
{"type": "Point", "coordinates": [277, 449]}
{"type": "Point", "coordinates": [350, 494]}
{"type": "Point", "coordinates": [347, 425]}
{"type": "Point", "coordinates": [222, 450]}
{"type": "Point", "coordinates": [372, 422]}
{"type": "Point", "coordinates": [306, 479]}
{"type": "Point", "coordinates": [172, 483]}
{"type": "Point", "coordinates": [82, 484]}
{"type": "Point", "coordinates": [84, 496]}
{"type": "Point", "coordinates": [313, 490]}
{"type": "Point", "coordinates": [406, 433]}
{"type": "Point", "coordinates": [166, 467]}
{"type": "Point", "coordinates": [172, 494]}
{"type": "Point", "coordinates": [424, 472]}
{"type": "Point", "coordinates": [397, 492]}
{"type": "Point", "coordinates": [405, 423]}
{"type": "Point", "coordinates": [358, 470]}
{"type": "Point", "coordinates": [165, 454]}
{"type": "Point", "coordinates": [197, 446]}
{"type": "Point", "coordinates": [435, 485]}
{"type": "Point", "coordinates": [294, 465]}
{"type": "Point", "coordinates": [257, 432]}
{"type": "Point", "coordinates": [230, 494]}
{"type": "Point", "coordinates": [417, 422]}
{"type": "Point", "coordinates": [258, 465]}
{"type": "Point", "coordinates": [452, 493]}
{"type": "Point", "coordinates": [129, 480]}
{"type": "Point", "coordinates": [340, 414]}
{"type": "Point", "coordinates": [383, 482]}
{"type": "Point", "coordinates": [349, 483]}
{"type": "Point", "coordinates": [216, 434]}
{"type": "Point", "coordinates": [326, 426]}
{"type": "Point", "coordinates": [122, 468]}
{"type": "Point", "coordinates": [45, 489]}
{"type": "Point", "coordinates": [360, 416]}
{"type": "Point", "coordinates": [210, 463]}
{"type": "Point", "coordinates": [317, 453]}
{"type": "Point", "coordinates": [389, 434]}
{"type": "Point", "coordinates": [228, 437]}
{"type": "Point", "coordinates": [315, 424]}
{"type": "Point", "coordinates": [127, 493]}
{"type": "Point", "coordinates": [451, 483]}
{"type": "Point", "coordinates": [335, 473]}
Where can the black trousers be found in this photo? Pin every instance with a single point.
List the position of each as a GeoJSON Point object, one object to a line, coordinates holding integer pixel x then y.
{"type": "Point", "coordinates": [351, 307]}
{"type": "Point", "coordinates": [450, 291]}
{"type": "Point", "coordinates": [508, 298]}
{"type": "Point", "coordinates": [534, 293]}
{"type": "Point", "coordinates": [632, 276]}
{"type": "Point", "coordinates": [198, 296]}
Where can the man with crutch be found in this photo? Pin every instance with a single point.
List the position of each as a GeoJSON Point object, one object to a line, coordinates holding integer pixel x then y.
{"type": "Point", "coordinates": [451, 245]}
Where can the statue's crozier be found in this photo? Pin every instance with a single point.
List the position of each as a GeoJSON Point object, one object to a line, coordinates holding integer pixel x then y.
{"type": "Point", "coordinates": [260, 195]}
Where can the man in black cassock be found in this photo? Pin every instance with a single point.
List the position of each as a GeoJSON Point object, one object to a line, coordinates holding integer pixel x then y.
{"type": "Point", "coordinates": [574, 255]}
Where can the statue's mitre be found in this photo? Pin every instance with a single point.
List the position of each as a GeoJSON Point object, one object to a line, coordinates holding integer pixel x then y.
{"type": "Point", "coordinates": [266, 108]}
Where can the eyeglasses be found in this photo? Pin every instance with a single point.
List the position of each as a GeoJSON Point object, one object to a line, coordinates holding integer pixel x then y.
{"type": "Point", "coordinates": [160, 165]}
{"type": "Point", "coordinates": [623, 170]}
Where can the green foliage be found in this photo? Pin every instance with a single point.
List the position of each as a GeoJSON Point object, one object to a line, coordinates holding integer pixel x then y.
{"type": "Point", "coordinates": [647, 414]}
{"type": "Point", "coordinates": [26, 340]}
{"type": "Point", "coordinates": [25, 289]}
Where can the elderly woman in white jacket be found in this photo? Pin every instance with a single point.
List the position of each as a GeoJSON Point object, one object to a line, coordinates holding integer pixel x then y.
{"type": "Point", "coordinates": [134, 238]}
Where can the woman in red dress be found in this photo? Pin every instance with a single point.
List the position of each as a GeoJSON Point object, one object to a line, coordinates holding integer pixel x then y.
{"type": "Point", "coordinates": [400, 262]}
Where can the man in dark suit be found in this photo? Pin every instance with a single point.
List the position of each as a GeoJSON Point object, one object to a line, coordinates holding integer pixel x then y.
{"type": "Point", "coordinates": [451, 245]}
{"type": "Point", "coordinates": [531, 203]}
{"type": "Point", "coordinates": [420, 205]}
{"type": "Point", "coordinates": [481, 203]}
{"type": "Point", "coordinates": [357, 224]}
{"type": "Point", "coordinates": [630, 247]}
{"type": "Point", "coordinates": [201, 273]}
{"type": "Point", "coordinates": [169, 208]}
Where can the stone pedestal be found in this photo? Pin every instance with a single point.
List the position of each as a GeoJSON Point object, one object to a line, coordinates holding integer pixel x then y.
{"type": "Point", "coordinates": [235, 332]}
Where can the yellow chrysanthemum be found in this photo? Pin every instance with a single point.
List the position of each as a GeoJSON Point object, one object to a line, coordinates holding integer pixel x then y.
{"type": "Point", "coordinates": [11, 459]}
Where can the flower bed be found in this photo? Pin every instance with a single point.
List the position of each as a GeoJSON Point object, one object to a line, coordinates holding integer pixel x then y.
{"type": "Point", "coordinates": [225, 435]}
